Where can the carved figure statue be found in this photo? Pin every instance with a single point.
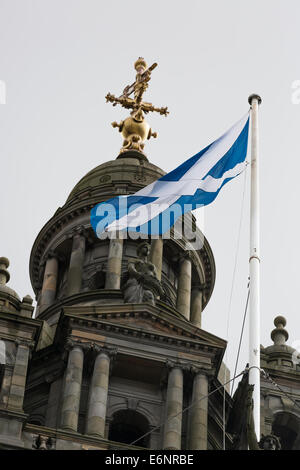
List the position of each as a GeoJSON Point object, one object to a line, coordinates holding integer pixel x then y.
{"type": "Point", "coordinates": [143, 284]}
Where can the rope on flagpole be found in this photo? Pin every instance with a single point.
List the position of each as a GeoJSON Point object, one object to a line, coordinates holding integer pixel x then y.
{"type": "Point", "coordinates": [230, 298]}
{"type": "Point", "coordinates": [241, 336]}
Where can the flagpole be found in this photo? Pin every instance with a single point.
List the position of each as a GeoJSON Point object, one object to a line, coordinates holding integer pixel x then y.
{"type": "Point", "coordinates": [254, 267]}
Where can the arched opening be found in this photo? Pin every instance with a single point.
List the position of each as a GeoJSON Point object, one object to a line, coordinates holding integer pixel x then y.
{"type": "Point", "coordinates": [287, 427]}
{"type": "Point", "coordinates": [128, 426]}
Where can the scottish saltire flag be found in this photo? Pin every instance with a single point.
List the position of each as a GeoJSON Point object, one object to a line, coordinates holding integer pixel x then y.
{"type": "Point", "coordinates": [195, 183]}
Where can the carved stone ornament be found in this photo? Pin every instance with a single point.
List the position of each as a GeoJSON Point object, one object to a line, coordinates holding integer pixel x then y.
{"type": "Point", "coordinates": [269, 442]}
{"type": "Point", "coordinates": [42, 442]}
{"type": "Point", "coordinates": [143, 284]}
{"type": "Point", "coordinates": [135, 130]}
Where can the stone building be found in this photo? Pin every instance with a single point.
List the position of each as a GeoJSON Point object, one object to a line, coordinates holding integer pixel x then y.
{"type": "Point", "coordinates": [114, 356]}
{"type": "Point", "coordinates": [87, 370]}
{"type": "Point", "coordinates": [101, 371]}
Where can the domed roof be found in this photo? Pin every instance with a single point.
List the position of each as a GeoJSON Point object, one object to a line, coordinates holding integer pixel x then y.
{"type": "Point", "coordinates": [126, 174]}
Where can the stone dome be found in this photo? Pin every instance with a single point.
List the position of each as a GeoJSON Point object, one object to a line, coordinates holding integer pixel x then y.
{"type": "Point", "coordinates": [126, 174]}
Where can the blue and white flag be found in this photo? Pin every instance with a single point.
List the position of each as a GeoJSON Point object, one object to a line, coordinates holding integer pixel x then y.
{"type": "Point", "coordinates": [154, 209]}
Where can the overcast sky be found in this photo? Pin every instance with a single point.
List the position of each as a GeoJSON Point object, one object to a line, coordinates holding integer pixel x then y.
{"type": "Point", "coordinates": [58, 61]}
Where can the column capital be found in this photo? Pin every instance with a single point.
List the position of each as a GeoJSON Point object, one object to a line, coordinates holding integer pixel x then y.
{"type": "Point", "coordinates": [186, 256]}
{"type": "Point", "coordinates": [197, 369]}
{"type": "Point", "coordinates": [73, 343]}
{"type": "Point", "coordinates": [110, 352]}
{"type": "Point", "coordinates": [80, 231]}
{"type": "Point", "coordinates": [171, 364]}
{"type": "Point", "coordinates": [50, 255]}
{"type": "Point", "coordinates": [25, 342]}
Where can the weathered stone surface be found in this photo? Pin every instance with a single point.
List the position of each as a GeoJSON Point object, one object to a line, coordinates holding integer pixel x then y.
{"type": "Point", "coordinates": [76, 264]}
{"type": "Point", "coordinates": [114, 263]}
{"type": "Point", "coordinates": [72, 390]}
{"type": "Point", "coordinates": [49, 285]}
{"type": "Point", "coordinates": [196, 306]}
{"type": "Point", "coordinates": [184, 287]}
{"type": "Point", "coordinates": [98, 396]}
{"type": "Point", "coordinates": [198, 413]}
{"type": "Point", "coordinates": [173, 424]}
{"type": "Point", "coordinates": [156, 255]}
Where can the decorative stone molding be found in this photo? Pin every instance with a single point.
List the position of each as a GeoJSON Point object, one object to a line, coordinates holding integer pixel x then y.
{"type": "Point", "coordinates": [24, 342]}
{"type": "Point", "coordinates": [80, 230]}
{"type": "Point", "coordinates": [185, 367]}
{"type": "Point", "coordinates": [195, 369]}
{"type": "Point", "coordinates": [132, 403]}
{"type": "Point", "coordinates": [41, 442]}
{"type": "Point", "coordinates": [189, 340]}
{"type": "Point", "coordinates": [49, 255]}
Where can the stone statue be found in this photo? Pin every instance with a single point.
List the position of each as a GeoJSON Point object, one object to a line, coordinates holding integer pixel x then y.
{"type": "Point", "coordinates": [269, 442]}
{"type": "Point", "coordinates": [143, 284]}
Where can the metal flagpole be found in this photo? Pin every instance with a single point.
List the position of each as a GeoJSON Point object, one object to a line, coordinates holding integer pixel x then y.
{"type": "Point", "coordinates": [254, 261]}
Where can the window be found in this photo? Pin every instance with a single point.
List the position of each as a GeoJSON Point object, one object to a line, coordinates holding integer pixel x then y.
{"type": "Point", "coordinates": [127, 426]}
{"type": "Point", "coordinates": [287, 427]}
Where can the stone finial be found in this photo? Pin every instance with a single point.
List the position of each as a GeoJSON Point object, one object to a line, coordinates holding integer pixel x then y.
{"type": "Point", "coordinates": [279, 335]}
{"type": "Point", "coordinates": [4, 274]}
{"type": "Point", "coordinates": [27, 300]}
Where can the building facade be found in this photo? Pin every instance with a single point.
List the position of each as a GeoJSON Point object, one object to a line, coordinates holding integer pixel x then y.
{"type": "Point", "coordinates": [98, 367]}
{"type": "Point", "coordinates": [114, 355]}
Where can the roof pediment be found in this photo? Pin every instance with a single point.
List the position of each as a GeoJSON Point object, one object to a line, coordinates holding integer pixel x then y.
{"type": "Point", "coordinates": [145, 321]}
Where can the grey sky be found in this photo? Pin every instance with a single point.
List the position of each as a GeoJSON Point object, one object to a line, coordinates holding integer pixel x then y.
{"type": "Point", "coordinates": [60, 58]}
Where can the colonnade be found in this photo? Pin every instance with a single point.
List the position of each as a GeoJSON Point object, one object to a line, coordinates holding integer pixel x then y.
{"type": "Point", "coordinates": [189, 299]}
{"type": "Point", "coordinates": [98, 390]}
{"type": "Point", "coordinates": [197, 419]}
{"type": "Point", "coordinates": [98, 395]}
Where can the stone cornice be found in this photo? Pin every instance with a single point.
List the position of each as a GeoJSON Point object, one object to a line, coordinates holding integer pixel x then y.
{"type": "Point", "coordinates": [76, 437]}
{"type": "Point", "coordinates": [19, 415]}
{"type": "Point", "coordinates": [28, 324]}
{"type": "Point", "coordinates": [288, 374]}
{"type": "Point", "coordinates": [192, 346]}
{"type": "Point", "coordinates": [162, 314]}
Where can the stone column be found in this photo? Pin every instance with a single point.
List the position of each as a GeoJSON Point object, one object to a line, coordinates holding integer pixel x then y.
{"type": "Point", "coordinates": [97, 404]}
{"type": "Point", "coordinates": [48, 293]}
{"type": "Point", "coordinates": [196, 307]}
{"type": "Point", "coordinates": [114, 264]}
{"type": "Point", "coordinates": [76, 263]}
{"type": "Point", "coordinates": [184, 287]}
{"type": "Point", "coordinates": [198, 412]}
{"type": "Point", "coordinates": [72, 388]}
{"type": "Point", "coordinates": [173, 424]}
{"type": "Point", "coordinates": [18, 381]}
{"type": "Point", "coordinates": [156, 255]}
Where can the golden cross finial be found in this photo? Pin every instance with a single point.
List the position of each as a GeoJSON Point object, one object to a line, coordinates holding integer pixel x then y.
{"type": "Point", "coordinates": [135, 129]}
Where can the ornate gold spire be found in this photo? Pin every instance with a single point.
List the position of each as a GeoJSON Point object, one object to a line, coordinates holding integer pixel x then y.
{"type": "Point", "coordinates": [135, 129]}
